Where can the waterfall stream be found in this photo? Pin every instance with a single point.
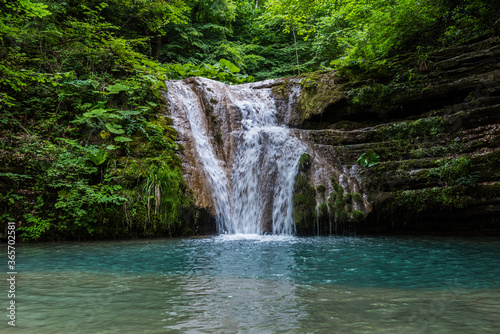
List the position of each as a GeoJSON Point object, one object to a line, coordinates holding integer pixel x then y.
{"type": "Point", "coordinates": [241, 159]}
{"type": "Point", "coordinates": [249, 159]}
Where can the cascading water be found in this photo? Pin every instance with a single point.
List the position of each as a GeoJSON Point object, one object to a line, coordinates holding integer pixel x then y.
{"type": "Point", "coordinates": [186, 100]}
{"type": "Point", "coordinates": [251, 177]}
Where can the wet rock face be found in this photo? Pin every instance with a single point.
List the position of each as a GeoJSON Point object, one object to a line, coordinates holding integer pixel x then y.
{"type": "Point", "coordinates": [438, 142]}
{"type": "Point", "coordinates": [241, 160]}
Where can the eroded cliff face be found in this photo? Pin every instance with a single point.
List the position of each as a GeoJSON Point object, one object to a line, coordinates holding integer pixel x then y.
{"type": "Point", "coordinates": [435, 123]}
{"type": "Point", "coordinates": [249, 169]}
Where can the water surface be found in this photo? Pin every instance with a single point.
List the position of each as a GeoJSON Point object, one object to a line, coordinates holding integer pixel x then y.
{"type": "Point", "coordinates": [259, 284]}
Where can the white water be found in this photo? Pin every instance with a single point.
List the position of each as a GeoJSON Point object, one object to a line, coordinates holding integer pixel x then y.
{"type": "Point", "coordinates": [258, 184]}
{"type": "Point", "coordinates": [188, 102]}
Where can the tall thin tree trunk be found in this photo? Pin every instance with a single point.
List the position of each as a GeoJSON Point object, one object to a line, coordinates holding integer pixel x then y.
{"type": "Point", "coordinates": [296, 51]}
{"type": "Point", "coordinates": [256, 3]}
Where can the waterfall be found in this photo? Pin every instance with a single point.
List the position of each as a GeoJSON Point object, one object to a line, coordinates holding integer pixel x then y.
{"type": "Point", "coordinates": [249, 159]}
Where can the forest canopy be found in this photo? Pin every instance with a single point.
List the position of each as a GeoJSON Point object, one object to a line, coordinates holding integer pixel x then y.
{"type": "Point", "coordinates": [264, 39]}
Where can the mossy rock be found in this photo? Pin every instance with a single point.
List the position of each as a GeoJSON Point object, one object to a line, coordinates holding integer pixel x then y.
{"type": "Point", "coordinates": [305, 162]}
{"type": "Point", "coordinates": [304, 206]}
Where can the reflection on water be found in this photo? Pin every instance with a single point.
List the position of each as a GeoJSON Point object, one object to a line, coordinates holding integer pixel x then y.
{"type": "Point", "coordinates": [259, 284]}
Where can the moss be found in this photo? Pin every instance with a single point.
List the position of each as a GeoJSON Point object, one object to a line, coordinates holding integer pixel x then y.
{"type": "Point", "coordinates": [322, 208]}
{"type": "Point", "coordinates": [278, 90]}
{"type": "Point", "coordinates": [487, 163]}
{"type": "Point", "coordinates": [357, 197]}
{"type": "Point", "coordinates": [323, 218]}
{"type": "Point", "coordinates": [416, 201]}
{"type": "Point", "coordinates": [424, 127]}
{"type": "Point", "coordinates": [331, 200]}
{"type": "Point", "coordinates": [304, 205]}
{"type": "Point", "coordinates": [332, 138]}
{"type": "Point", "coordinates": [319, 91]}
{"type": "Point", "coordinates": [449, 172]}
{"type": "Point", "coordinates": [304, 162]}
{"type": "Point", "coordinates": [218, 138]}
{"type": "Point", "coordinates": [339, 194]}
{"type": "Point", "coordinates": [341, 216]}
{"type": "Point", "coordinates": [358, 215]}
{"type": "Point", "coordinates": [321, 188]}
{"type": "Point", "coordinates": [347, 198]}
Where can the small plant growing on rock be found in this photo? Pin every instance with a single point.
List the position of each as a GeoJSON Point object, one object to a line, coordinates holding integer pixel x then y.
{"type": "Point", "coordinates": [218, 138]}
{"type": "Point", "coordinates": [304, 162]}
{"type": "Point", "coordinates": [469, 180]}
{"type": "Point", "coordinates": [369, 159]}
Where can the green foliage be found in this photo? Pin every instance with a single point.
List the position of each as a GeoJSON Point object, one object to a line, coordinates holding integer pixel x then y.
{"type": "Point", "coordinates": [416, 201]}
{"type": "Point", "coordinates": [424, 127]}
{"type": "Point", "coordinates": [358, 215]}
{"type": "Point", "coordinates": [224, 71]}
{"type": "Point", "coordinates": [99, 157]}
{"type": "Point", "coordinates": [469, 180]}
{"type": "Point", "coordinates": [357, 198]}
{"type": "Point", "coordinates": [455, 172]}
{"type": "Point", "coordinates": [218, 138]}
{"type": "Point", "coordinates": [305, 162]}
{"type": "Point", "coordinates": [347, 198]}
{"type": "Point", "coordinates": [304, 204]}
{"type": "Point", "coordinates": [163, 192]}
{"type": "Point", "coordinates": [337, 197]}
{"type": "Point", "coordinates": [369, 159]}
{"type": "Point", "coordinates": [348, 32]}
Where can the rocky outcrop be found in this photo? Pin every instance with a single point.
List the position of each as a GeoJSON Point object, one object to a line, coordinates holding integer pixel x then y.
{"type": "Point", "coordinates": [434, 121]}
{"type": "Point", "coordinates": [241, 161]}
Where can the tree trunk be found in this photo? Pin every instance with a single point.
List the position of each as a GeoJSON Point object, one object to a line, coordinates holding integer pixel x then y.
{"type": "Point", "coordinates": [296, 51]}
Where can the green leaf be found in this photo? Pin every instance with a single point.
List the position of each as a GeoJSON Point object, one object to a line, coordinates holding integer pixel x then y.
{"type": "Point", "coordinates": [230, 66]}
{"type": "Point", "coordinates": [98, 158]}
{"type": "Point", "coordinates": [95, 113]}
{"type": "Point", "coordinates": [115, 128]}
{"type": "Point", "coordinates": [111, 147]}
{"type": "Point", "coordinates": [128, 112]}
{"type": "Point", "coordinates": [114, 116]}
{"type": "Point", "coordinates": [369, 159]}
{"type": "Point", "coordinates": [162, 84]}
{"type": "Point", "coordinates": [117, 88]}
{"type": "Point", "coordinates": [122, 139]}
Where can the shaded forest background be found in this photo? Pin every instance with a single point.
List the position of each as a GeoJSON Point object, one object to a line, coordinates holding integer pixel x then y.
{"type": "Point", "coordinates": [86, 150]}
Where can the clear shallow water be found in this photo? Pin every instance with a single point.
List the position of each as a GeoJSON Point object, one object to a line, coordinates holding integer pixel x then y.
{"type": "Point", "coordinates": [259, 284]}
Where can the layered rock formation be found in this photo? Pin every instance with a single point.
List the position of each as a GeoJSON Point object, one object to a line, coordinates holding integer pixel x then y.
{"type": "Point", "coordinates": [435, 123]}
